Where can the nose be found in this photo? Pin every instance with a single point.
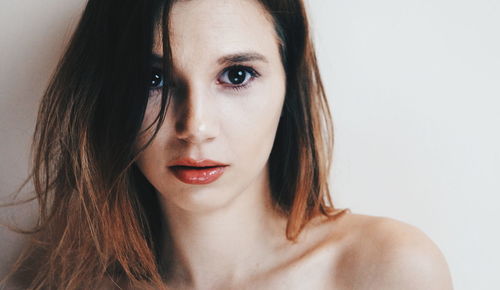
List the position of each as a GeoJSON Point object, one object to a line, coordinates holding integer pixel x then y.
{"type": "Point", "coordinates": [197, 120]}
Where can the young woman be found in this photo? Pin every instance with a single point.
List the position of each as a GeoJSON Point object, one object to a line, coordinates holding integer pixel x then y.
{"type": "Point", "coordinates": [187, 145]}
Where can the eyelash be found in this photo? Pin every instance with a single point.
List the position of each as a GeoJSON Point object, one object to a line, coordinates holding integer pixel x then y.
{"type": "Point", "coordinates": [253, 75]}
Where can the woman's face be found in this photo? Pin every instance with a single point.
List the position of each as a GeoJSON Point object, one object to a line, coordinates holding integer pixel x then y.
{"type": "Point", "coordinates": [229, 92]}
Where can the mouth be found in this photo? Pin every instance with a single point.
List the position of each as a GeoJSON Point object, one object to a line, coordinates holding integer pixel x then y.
{"type": "Point", "coordinates": [193, 167]}
{"type": "Point", "coordinates": [197, 174]}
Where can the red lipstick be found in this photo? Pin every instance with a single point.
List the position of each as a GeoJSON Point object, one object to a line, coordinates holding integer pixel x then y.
{"type": "Point", "coordinates": [192, 171]}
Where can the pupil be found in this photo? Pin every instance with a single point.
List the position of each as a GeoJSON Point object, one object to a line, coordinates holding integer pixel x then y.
{"type": "Point", "coordinates": [156, 80]}
{"type": "Point", "coordinates": [236, 76]}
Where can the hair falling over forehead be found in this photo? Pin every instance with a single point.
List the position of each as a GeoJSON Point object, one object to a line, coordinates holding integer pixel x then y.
{"type": "Point", "coordinates": [99, 216]}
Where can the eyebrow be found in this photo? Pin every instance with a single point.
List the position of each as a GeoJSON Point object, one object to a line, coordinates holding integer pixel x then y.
{"type": "Point", "coordinates": [232, 58]}
{"type": "Point", "coordinates": [241, 57]}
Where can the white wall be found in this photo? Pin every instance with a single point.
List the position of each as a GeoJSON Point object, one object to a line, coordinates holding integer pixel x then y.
{"type": "Point", "coordinates": [32, 38]}
{"type": "Point", "coordinates": [415, 93]}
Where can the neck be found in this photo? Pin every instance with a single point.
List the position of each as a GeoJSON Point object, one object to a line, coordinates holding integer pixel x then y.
{"type": "Point", "coordinates": [226, 244]}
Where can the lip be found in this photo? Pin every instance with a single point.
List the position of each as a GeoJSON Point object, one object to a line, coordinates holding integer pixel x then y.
{"type": "Point", "coordinates": [196, 163]}
{"type": "Point", "coordinates": [192, 171]}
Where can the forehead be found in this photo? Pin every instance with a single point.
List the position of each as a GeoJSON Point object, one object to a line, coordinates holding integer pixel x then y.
{"type": "Point", "coordinates": [207, 29]}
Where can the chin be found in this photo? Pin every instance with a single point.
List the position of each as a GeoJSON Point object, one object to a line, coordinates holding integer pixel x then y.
{"type": "Point", "coordinates": [200, 199]}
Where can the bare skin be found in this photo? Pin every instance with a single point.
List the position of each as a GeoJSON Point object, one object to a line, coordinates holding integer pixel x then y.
{"type": "Point", "coordinates": [356, 252]}
{"type": "Point", "coordinates": [227, 235]}
{"type": "Point", "coordinates": [353, 252]}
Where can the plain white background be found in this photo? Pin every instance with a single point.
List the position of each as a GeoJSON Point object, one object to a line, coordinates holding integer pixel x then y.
{"type": "Point", "coordinates": [415, 91]}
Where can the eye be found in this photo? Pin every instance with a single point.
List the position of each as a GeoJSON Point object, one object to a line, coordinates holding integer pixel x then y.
{"type": "Point", "coordinates": [156, 79]}
{"type": "Point", "coordinates": [237, 77]}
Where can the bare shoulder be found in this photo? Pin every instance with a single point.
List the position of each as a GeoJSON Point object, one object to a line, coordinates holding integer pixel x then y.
{"type": "Point", "coordinates": [384, 253]}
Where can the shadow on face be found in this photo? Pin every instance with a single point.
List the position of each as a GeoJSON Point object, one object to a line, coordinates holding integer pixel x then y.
{"type": "Point", "coordinates": [229, 89]}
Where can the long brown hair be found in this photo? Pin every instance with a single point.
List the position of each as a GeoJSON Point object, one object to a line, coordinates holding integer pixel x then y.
{"type": "Point", "coordinates": [93, 223]}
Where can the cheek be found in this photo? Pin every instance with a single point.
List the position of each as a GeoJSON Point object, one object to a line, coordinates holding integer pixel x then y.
{"type": "Point", "coordinates": [253, 122]}
{"type": "Point", "coordinates": [152, 110]}
{"type": "Point", "coordinates": [149, 156]}
{"type": "Point", "coordinates": [146, 161]}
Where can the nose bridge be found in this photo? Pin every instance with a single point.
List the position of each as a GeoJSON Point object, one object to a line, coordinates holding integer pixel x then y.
{"type": "Point", "coordinates": [197, 123]}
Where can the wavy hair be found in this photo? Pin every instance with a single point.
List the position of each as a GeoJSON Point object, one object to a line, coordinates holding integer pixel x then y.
{"type": "Point", "coordinates": [93, 224]}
